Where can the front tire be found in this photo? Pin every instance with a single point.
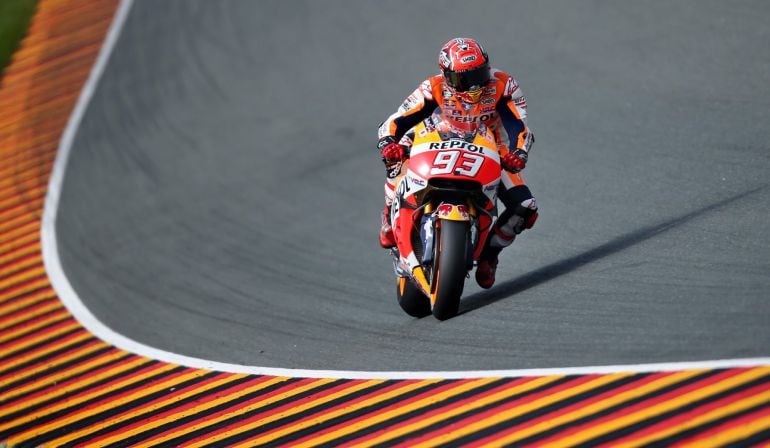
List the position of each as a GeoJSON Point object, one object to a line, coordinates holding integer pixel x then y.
{"type": "Point", "coordinates": [448, 276]}
{"type": "Point", "coordinates": [411, 299]}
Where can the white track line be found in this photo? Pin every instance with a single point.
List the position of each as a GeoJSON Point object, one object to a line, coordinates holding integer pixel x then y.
{"type": "Point", "coordinates": [73, 303]}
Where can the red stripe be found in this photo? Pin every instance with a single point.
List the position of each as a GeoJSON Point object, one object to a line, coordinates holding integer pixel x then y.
{"type": "Point", "coordinates": [403, 403]}
{"type": "Point", "coordinates": [682, 418]}
{"type": "Point", "coordinates": [48, 389]}
{"type": "Point", "coordinates": [37, 355]}
{"type": "Point", "coordinates": [11, 346]}
{"type": "Point", "coordinates": [130, 389]}
{"type": "Point", "coordinates": [8, 268]}
{"type": "Point", "coordinates": [20, 273]}
{"type": "Point", "coordinates": [647, 403]}
{"type": "Point", "coordinates": [40, 173]}
{"type": "Point", "coordinates": [32, 218]}
{"type": "Point", "coordinates": [5, 329]}
{"type": "Point", "coordinates": [29, 309]}
{"type": "Point", "coordinates": [574, 407]}
{"type": "Point", "coordinates": [283, 389]}
{"type": "Point", "coordinates": [103, 393]}
{"type": "Point", "coordinates": [46, 292]}
{"type": "Point", "coordinates": [181, 409]}
{"type": "Point", "coordinates": [21, 208]}
{"type": "Point", "coordinates": [36, 164]}
{"type": "Point", "coordinates": [509, 405]}
{"type": "Point", "coordinates": [18, 287]}
{"type": "Point", "coordinates": [350, 403]}
{"type": "Point", "coordinates": [20, 252]}
{"type": "Point", "coordinates": [286, 407]}
{"type": "Point", "coordinates": [741, 421]}
{"type": "Point", "coordinates": [10, 242]}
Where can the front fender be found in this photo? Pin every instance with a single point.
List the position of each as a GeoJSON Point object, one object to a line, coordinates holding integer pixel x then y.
{"type": "Point", "coordinates": [453, 212]}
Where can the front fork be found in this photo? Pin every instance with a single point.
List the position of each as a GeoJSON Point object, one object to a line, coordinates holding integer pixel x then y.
{"type": "Point", "coordinates": [431, 223]}
{"type": "Point", "coordinates": [430, 226]}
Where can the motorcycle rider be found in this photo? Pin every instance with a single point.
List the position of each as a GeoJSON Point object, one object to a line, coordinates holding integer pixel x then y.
{"type": "Point", "coordinates": [468, 89]}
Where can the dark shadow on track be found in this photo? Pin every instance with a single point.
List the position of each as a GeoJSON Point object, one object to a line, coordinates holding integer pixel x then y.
{"type": "Point", "coordinates": [554, 270]}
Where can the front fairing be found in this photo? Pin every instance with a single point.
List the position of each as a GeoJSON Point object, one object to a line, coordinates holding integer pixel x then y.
{"type": "Point", "coordinates": [440, 160]}
{"type": "Point", "coordinates": [442, 151]}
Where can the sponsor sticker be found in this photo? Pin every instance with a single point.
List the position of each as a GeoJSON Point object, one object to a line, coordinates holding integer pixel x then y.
{"type": "Point", "coordinates": [510, 86]}
{"type": "Point", "coordinates": [469, 58]}
{"type": "Point", "coordinates": [411, 102]}
{"type": "Point", "coordinates": [444, 60]}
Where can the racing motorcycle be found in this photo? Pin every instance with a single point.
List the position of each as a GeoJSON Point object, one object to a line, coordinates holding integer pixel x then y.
{"type": "Point", "coordinates": [442, 213]}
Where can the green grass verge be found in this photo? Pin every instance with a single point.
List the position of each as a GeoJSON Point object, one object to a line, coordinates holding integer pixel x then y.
{"type": "Point", "coordinates": [14, 20]}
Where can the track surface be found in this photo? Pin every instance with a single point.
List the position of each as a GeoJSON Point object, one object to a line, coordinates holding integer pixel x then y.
{"type": "Point", "coordinates": [222, 196]}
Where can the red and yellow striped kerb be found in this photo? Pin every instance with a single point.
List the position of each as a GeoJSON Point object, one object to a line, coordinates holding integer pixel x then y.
{"type": "Point", "coordinates": [62, 386]}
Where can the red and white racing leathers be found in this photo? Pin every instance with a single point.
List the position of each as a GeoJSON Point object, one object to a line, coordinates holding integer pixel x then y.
{"type": "Point", "coordinates": [503, 109]}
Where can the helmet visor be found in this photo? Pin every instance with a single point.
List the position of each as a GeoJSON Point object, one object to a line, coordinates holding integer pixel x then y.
{"type": "Point", "coordinates": [464, 81]}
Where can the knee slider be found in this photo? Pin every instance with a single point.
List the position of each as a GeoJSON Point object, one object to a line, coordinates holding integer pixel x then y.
{"type": "Point", "coordinates": [523, 217]}
{"type": "Point", "coordinates": [527, 211]}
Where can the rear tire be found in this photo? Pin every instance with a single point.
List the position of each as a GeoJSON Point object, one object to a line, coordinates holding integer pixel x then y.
{"type": "Point", "coordinates": [450, 268]}
{"type": "Point", "coordinates": [411, 299]}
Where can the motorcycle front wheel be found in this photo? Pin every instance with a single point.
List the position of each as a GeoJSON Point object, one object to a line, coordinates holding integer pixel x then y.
{"type": "Point", "coordinates": [449, 268]}
{"type": "Point", "coordinates": [411, 299]}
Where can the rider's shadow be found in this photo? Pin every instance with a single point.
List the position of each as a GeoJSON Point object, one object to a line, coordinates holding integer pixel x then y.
{"type": "Point", "coordinates": [554, 270]}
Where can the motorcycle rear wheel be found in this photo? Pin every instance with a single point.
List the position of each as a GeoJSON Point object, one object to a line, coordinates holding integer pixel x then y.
{"type": "Point", "coordinates": [411, 299]}
{"type": "Point", "coordinates": [450, 268]}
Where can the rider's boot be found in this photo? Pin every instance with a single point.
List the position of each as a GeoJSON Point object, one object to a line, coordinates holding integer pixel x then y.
{"type": "Point", "coordinates": [510, 224]}
{"type": "Point", "coordinates": [386, 231]}
{"type": "Point", "coordinates": [487, 267]}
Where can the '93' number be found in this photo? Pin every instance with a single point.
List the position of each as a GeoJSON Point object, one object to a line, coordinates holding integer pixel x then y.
{"type": "Point", "coordinates": [452, 162]}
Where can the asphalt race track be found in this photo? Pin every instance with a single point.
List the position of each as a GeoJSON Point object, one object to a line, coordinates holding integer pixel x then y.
{"type": "Point", "coordinates": [222, 196]}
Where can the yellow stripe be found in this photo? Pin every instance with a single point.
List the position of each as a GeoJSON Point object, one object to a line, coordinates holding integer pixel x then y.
{"type": "Point", "coordinates": [46, 349]}
{"type": "Point", "coordinates": [732, 435]}
{"type": "Point", "coordinates": [208, 404]}
{"type": "Point", "coordinates": [255, 406]}
{"type": "Point", "coordinates": [79, 399]}
{"type": "Point", "coordinates": [715, 414]}
{"type": "Point", "coordinates": [8, 244]}
{"type": "Point", "coordinates": [43, 367]}
{"type": "Point", "coordinates": [22, 277]}
{"type": "Point", "coordinates": [52, 380]}
{"type": "Point", "coordinates": [30, 327]}
{"type": "Point", "coordinates": [524, 408]}
{"type": "Point", "coordinates": [330, 415]}
{"type": "Point", "coordinates": [22, 263]}
{"type": "Point", "coordinates": [145, 409]}
{"type": "Point", "coordinates": [112, 403]}
{"type": "Point", "coordinates": [455, 410]}
{"type": "Point", "coordinates": [595, 407]}
{"type": "Point", "coordinates": [17, 222]}
{"type": "Point", "coordinates": [380, 417]}
{"type": "Point", "coordinates": [8, 186]}
{"type": "Point", "coordinates": [40, 296]}
{"type": "Point", "coordinates": [57, 392]}
{"type": "Point", "coordinates": [23, 167]}
{"type": "Point", "coordinates": [27, 206]}
{"type": "Point", "coordinates": [32, 249]}
{"type": "Point", "coordinates": [19, 291]}
{"type": "Point", "coordinates": [277, 416]}
{"type": "Point", "coordinates": [674, 403]}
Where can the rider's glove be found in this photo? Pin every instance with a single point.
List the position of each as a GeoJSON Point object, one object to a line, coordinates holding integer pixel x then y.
{"type": "Point", "coordinates": [390, 150]}
{"type": "Point", "coordinates": [514, 161]}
